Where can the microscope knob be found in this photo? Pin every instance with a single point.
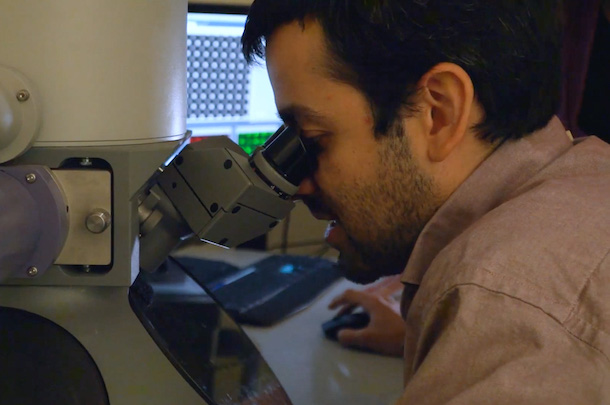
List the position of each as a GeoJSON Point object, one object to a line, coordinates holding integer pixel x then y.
{"type": "Point", "coordinates": [97, 221]}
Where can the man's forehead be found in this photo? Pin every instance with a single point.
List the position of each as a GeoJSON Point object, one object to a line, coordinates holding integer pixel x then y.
{"type": "Point", "coordinates": [298, 45]}
{"type": "Point", "coordinates": [295, 56]}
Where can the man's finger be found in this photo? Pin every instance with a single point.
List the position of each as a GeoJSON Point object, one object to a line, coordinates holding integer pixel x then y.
{"type": "Point", "coordinates": [346, 298]}
{"type": "Point", "coordinates": [353, 338]}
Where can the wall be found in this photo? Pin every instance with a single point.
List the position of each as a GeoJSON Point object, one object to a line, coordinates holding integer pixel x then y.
{"type": "Point", "coordinates": [301, 233]}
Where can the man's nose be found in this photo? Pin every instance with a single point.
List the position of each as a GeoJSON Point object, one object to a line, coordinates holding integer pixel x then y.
{"type": "Point", "coordinates": [307, 187]}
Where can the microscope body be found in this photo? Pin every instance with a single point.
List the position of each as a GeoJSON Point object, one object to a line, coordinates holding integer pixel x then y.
{"type": "Point", "coordinates": [97, 183]}
{"type": "Point", "coordinates": [93, 93]}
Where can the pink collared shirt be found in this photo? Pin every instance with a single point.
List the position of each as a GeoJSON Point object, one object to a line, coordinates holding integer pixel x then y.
{"type": "Point", "coordinates": [507, 297]}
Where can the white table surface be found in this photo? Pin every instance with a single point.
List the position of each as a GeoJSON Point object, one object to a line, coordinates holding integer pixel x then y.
{"type": "Point", "coordinates": [312, 369]}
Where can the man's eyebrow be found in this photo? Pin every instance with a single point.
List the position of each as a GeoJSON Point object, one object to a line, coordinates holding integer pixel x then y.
{"type": "Point", "coordinates": [302, 114]}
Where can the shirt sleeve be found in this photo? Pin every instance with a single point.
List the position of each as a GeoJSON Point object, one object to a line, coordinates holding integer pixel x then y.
{"type": "Point", "coordinates": [484, 347]}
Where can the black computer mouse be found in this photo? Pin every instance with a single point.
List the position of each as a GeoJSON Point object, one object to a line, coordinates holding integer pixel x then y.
{"type": "Point", "coordinates": [354, 320]}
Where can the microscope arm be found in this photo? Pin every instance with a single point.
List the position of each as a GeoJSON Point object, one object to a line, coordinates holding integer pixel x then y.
{"type": "Point", "coordinates": [210, 190]}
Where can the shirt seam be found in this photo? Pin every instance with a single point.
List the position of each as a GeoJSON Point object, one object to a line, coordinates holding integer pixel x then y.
{"type": "Point", "coordinates": [583, 288]}
{"type": "Point", "coordinates": [563, 326]}
{"type": "Point", "coordinates": [524, 283]}
{"type": "Point", "coordinates": [572, 314]}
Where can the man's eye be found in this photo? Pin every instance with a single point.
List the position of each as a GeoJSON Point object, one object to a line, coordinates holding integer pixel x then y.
{"type": "Point", "coordinates": [313, 148]}
{"type": "Point", "coordinates": [313, 144]}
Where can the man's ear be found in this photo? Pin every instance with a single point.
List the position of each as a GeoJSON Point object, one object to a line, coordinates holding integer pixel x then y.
{"type": "Point", "coordinates": [447, 95]}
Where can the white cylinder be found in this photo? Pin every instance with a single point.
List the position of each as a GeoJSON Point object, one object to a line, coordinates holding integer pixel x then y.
{"type": "Point", "coordinates": [108, 72]}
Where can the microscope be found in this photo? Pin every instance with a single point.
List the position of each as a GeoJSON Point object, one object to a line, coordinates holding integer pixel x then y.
{"type": "Point", "coordinates": [98, 185]}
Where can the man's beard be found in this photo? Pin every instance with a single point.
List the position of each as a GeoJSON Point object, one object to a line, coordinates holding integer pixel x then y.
{"type": "Point", "coordinates": [383, 219]}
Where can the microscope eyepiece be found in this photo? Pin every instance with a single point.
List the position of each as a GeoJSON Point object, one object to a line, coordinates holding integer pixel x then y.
{"type": "Point", "coordinates": [287, 154]}
{"type": "Point", "coordinates": [283, 161]}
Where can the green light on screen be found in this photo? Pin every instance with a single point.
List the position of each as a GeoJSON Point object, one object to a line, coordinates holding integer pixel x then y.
{"type": "Point", "coordinates": [249, 141]}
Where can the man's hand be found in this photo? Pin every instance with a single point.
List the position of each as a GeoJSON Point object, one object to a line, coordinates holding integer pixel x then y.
{"type": "Point", "coordinates": [385, 332]}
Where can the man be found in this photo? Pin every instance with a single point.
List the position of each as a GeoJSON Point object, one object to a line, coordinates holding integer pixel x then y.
{"type": "Point", "coordinates": [438, 157]}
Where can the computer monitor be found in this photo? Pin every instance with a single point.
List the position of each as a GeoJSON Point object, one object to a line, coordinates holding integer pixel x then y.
{"type": "Point", "coordinates": [225, 96]}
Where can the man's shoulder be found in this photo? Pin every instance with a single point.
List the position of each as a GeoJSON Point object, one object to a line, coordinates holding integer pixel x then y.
{"type": "Point", "coordinates": [547, 246]}
{"type": "Point", "coordinates": [557, 221]}
{"type": "Point", "coordinates": [549, 238]}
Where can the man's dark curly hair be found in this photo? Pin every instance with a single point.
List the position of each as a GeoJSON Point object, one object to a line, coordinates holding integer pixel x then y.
{"type": "Point", "coordinates": [510, 49]}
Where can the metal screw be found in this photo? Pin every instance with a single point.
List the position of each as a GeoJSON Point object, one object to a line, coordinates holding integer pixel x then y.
{"type": "Point", "coordinates": [32, 271]}
{"type": "Point", "coordinates": [23, 95]}
{"type": "Point", "coordinates": [98, 221]}
{"type": "Point", "coordinates": [30, 178]}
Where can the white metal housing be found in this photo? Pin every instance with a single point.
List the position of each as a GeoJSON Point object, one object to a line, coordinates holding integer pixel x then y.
{"type": "Point", "coordinates": [107, 72]}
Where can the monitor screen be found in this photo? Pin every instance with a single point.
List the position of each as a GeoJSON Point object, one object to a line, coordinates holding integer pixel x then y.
{"type": "Point", "coordinates": [225, 96]}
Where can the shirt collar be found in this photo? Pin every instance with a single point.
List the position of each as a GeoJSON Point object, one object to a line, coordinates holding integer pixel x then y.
{"type": "Point", "coordinates": [492, 183]}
